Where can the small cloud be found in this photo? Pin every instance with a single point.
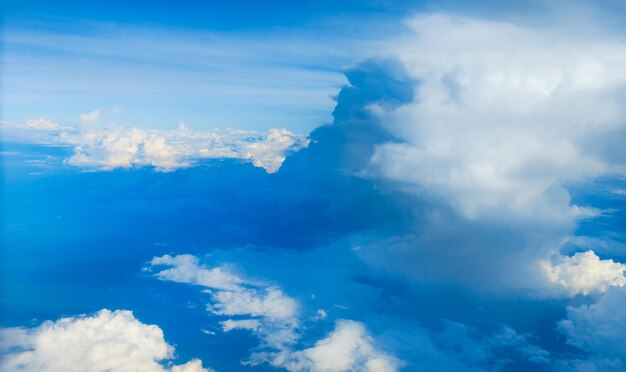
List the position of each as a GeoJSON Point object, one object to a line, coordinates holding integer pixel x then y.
{"type": "Point", "coordinates": [41, 124]}
{"type": "Point", "coordinates": [348, 347]}
{"type": "Point", "coordinates": [320, 314]}
{"type": "Point", "coordinates": [271, 314]}
{"type": "Point", "coordinates": [585, 273]}
{"type": "Point", "coordinates": [90, 117]}
{"type": "Point", "coordinates": [248, 324]}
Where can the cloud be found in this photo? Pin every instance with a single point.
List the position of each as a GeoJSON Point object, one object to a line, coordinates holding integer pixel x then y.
{"type": "Point", "coordinates": [270, 303]}
{"type": "Point", "coordinates": [347, 348]}
{"type": "Point", "coordinates": [107, 340]}
{"type": "Point", "coordinates": [90, 117]}
{"type": "Point", "coordinates": [500, 120]}
{"type": "Point", "coordinates": [41, 124]}
{"type": "Point", "coordinates": [185, 268]}
{"type": "Point", "coordinates": [117, 147]}
{"type": "Point", "coordinates": [268, 312]}
{"type": "Point", "coordinates": [274, 318]}
{"type": "Point", "coordinates": [166, 150]}
{"type": "Point", "coordinates": [501, 117]}
{"type": "Point", "coordinates": [249, 324]}
{"type": "Point", "coordinates": [585, 273]}
{"type": "Point", "coordinates": [599, 329]}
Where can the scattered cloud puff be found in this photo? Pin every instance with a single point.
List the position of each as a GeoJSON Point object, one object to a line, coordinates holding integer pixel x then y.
{"type": "Point", "coordinates": [270, 313]}
{"type": "Point", "coordinates": [347, 348]}
{"type": "Point", "coordinates": [117, 147]}
{"type": "Point", "coordinates": [185, 268]}
{"type": "Point", "coordinates": [273, 317]}
{"type": "Point", "coordinates": [90, 117]}
{"type": "Point", "coordinates": [41, 124]}
{"type": "Point", "coordinates": [599, 329]}
{"type": "Point", "coordinates": [585, 273]}
{"type": "Point", "coordinates": [249, 324]}
{"type": "Point", "coordinates": [105, 341]}
{"type": "Point", "coordinates": [503, 117]}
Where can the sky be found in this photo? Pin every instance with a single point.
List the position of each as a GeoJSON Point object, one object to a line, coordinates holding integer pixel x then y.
{"type": "Point", "coordinates": [313, 186]}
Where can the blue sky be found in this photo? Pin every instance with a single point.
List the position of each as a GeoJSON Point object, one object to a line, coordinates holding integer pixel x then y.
{"type": "Point", "coordinates": [311, 186]}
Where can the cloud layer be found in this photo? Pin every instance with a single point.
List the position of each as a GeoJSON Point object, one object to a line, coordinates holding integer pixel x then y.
{"type": "Point", "coordinates": [114, 147]}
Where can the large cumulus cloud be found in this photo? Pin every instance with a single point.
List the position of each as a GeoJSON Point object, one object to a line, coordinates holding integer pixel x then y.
{"type": "Point", "coordinates": [105, 341]}
{"type": "Point", "coordinates": [498, 122]}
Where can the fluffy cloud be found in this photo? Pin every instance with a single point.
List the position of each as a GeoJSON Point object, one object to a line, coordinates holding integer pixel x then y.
{"type": "Point", "coordinates": [105, 341]}
{"type": "Point", "coordinates": [502, 117]}
{"type": "Point", "coordinates": [117, 147]}
{"type": "Point", "coordinates": [90, 117]}
{"type": "Point", "coordinates": [599, 328]}
{"type": "Point", "coordinates": [502, 120]}
{"type": "Point", "coordinates": [112, 147]}
{"type": "Point", "coordinates": [270, 302]}
{"type": "Point", "coordinates": [273, 317]}
{"type": "Point", "coordinates": [347, 348]}
{"type": "Point", "coordinates": [585, 273]}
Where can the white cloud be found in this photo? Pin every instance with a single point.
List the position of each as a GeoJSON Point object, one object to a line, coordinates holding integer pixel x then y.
{"type": "Point", "coordinates": [503, 119]}
{"type": "Point", "coordinates": [503, 116]}
{"type": "Point", "coordinates": [270, 313]}
{"type": "Point", "coordinates": [585, 273]}
{"type": "Point", "coordinates": [117, 147]}
{"type": "Point", "coordinates": [114, 147]}
{"type": "Point", "coordinates": [347, 348]}
{"type": "Point", "coordinates": [270, 303]}
{"type": "Point", "coordinates": [185, 268]}
{"type": "Point", "coordinates": [194, 365]}
{"type": "Point", "coordinates": [108, 340]}
{"type": "Point", "coordinates": [273, 317]}
{"type": "Point", "coordinates": [599, 328]}
{"type": "Point", "coordinates": [90, 117]}
{"type": "Point", "coordinates": [41, 124]}
{"type": "Point", "coordinates": [249, 324]}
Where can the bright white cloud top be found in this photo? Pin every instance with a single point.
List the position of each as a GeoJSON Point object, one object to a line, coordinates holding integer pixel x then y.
{"type": "Point", "coordinates": [585, 273]}
{"type": "Point", "coordinates": [347, 348]}
{"type": "Point", "coordinates": [117, 147]}
{"type": "Point", "coordinates": [105, 341]}
{"type": "Point", "coordinates": [503, 117]}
